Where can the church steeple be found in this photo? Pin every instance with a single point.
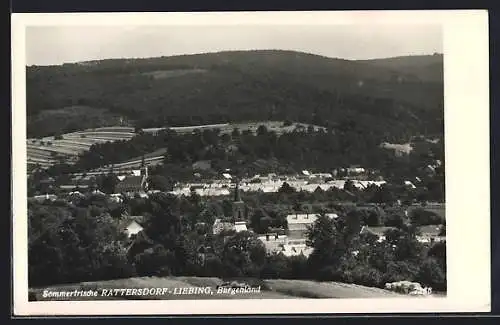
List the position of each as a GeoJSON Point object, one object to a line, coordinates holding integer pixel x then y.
{"type": "Point", "coordinates": [238, 205]}
{"type": "Point", "coordinates": [237, 196]}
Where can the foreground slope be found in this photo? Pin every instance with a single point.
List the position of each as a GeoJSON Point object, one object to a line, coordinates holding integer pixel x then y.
{"type": "Point", "coordinates": [270, 289]}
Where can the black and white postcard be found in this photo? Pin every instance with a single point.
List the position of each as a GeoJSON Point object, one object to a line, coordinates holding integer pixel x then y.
{"type": "Point", "coordinates": [251, 162]}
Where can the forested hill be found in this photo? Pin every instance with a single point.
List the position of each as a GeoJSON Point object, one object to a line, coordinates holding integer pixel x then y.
{"type": "Point", "coordinates": [428, 68]}
{"type": "Point", "coordinates": [235, 86]}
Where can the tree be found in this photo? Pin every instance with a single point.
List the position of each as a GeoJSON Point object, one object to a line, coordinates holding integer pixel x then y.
{"type": "Point", "coordinates": [160, 183]}
{"type": "Point", "coordinates": [108, 183]}
{"type": "Point", "coordinates": [371, 218]}
{"type": "Point", "coordinates": [328, 244]}
{"type": "Point", "coordinates": [432, 274]}
{"type": "Point", "coordinates": [394, 220]}
{"type": "Point", "coordinates": [244, 254]}
{"type": "Point", "coordinates": [422, 217]}
{"type": "Point", "coordinates": [76, 245]}
{"type": "Point", "coordinates": [235, 134]}
{"type": "Point", "coordinates": [155, 261]}
{"type": "Point", "coordinates": [286, 189]}
{"type": "Point", "coordinates": [276, 267]}
{"type": "Point", "coordinates": [261, 130]}
{"type": "Point", "coordinates": [438, 252]}
{"type": "Point", "coordinates": [382, 195]}
{"type": "Point", "coordinates": [349, 186]}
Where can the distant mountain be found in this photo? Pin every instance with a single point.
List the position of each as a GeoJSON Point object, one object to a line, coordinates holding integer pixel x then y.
{"type": "Point", "coordinates": [391, 96]}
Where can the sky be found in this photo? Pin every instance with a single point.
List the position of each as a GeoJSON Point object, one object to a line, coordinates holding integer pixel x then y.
{"type": "Point", "coordinates": [51, 45]}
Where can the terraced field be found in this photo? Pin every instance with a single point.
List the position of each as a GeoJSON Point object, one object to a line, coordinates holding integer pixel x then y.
{"type": "Point", "coordinates": [46, 151]}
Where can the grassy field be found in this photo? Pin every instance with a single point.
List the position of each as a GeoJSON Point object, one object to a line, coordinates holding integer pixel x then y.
{"type": "Point", "coordinates": [270, 289]}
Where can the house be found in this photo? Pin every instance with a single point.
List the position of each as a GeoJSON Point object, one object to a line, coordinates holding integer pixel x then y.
{"type": "Point", "coordinates": [139, 243]}
{"type": "Point", "coordinates": [116, 197]}
{"type": "Point", "coordinates": [97, 192]}
{"type": "Point", "coordinates": [42, 198]}
{"type": "Point", "coordinates": [240, 226]}
{"type": "Point", "coordinates": [355, 170]}
{"type": "Point", "coordinates": [297, 249]}
{"type": "Point", "coordinates": [431, 234]}
{"type": "Point", "coordinates": [131, 225]}
{"type": "Point", "coordinates": [377, 231]}
{"type": "Point", "coordinates": [299, 223]}
{"type": "Point", "coordinates": [276, 244]}
{"type": "Point", "coordinates": [73, 187]}
{"type": "Point", "coordinates": [135, 183]}
{"type": "Point", "coordinates": [273, 242]}
{"type": "Point", "coordinates": [220, 226]}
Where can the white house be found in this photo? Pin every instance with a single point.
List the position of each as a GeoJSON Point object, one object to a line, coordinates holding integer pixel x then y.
{"type": "Point", "coordinates": [240, 226]}
{"type": "Point", "coordinates": [297, 249]}
{"type": "Point", "coordinates": [430, 234]}
{"type": "Point", "coordinates": [132, 225]}
{"type": "Point", "coordinates": [273, 242]}
{"type": "Point", "coordinates": [276, 244]}
{"type": "Point", "coordinates": [41, 198]}
{"type": "Point", "coordinates": [133, 228]}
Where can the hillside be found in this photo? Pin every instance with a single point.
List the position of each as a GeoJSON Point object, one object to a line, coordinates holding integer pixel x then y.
{"type": "Point", "coordinates": [427, 68]}
{"type": "Point", "coordinates": [233, 87]}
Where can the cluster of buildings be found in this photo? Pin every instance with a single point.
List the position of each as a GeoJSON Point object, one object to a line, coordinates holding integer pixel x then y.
{"type": "Point", "coordinates": [271, 183]}
{"type": "Point", "coordinates": [291, 242]}
{"type": "Point", "coordinates": [128, 182]}
{"type": "Point", "coordinates": [427, 235]}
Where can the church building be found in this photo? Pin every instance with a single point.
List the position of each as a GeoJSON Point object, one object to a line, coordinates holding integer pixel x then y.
{"type": "Point", "coordinates": [135, 183]}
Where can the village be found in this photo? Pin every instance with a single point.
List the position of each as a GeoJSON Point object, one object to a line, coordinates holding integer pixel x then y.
{"type": "Point", "coordinates": [290, 240]}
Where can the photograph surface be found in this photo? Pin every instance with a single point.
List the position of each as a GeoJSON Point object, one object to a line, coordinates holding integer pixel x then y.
{"type": "Point", "coordinates": [235, 161]}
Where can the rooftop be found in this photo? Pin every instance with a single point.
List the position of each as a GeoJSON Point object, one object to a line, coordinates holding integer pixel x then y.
{"type": "Point", "coordinates": [306, 218]}
{"type": "Point", "coordinates": [379, 231]}
{"type": "Point", "coordinates": [432, 230]}
{"type": "Point", "coordinates": [130, 181]}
